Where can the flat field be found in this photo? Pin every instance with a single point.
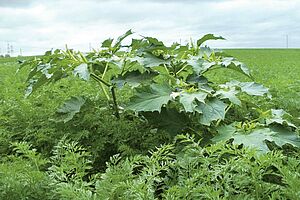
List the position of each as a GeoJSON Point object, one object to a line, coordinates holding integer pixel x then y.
{"type": "Point", "coordinates": [277, 69]}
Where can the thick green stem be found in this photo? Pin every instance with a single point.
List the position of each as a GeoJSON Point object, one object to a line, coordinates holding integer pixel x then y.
{"type": "Point", "coordinates": [115, 105]}
{"type": "Point", "coordinates": [181, 69]}
{"type": "Point", "coordinates": [167, 72]}
{"type": "Point", "coordinates": [102, 83]}
{"type": "Point", "coordinates": [112, 89]}
{"type": "Point", "coordinates": [105, 70]}
{"type": "Point", "coordinates": [70, 54]}
{"type": "Point", "coordinates": [83, 58]}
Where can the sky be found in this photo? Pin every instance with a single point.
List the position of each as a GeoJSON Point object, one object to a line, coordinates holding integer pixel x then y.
{"type": "Point", "coordinates": [32, 27]}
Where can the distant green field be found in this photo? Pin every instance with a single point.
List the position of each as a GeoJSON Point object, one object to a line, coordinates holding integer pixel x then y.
{"type": "Point", "coordinates": [278, 69]}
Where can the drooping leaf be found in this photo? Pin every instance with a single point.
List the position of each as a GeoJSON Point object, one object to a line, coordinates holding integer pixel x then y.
{"type": "Point", "coordinates": [29, 88]}
{"type": "Point", "coordinates": [154, 46]}
{"type": "Point", "coordinates": [82, 71]}
{"type": "Point", "coordinates": [212, 110]}
{"type": "Point", "coordinates": [282, 136]}
{"type": "Point", "coordinates": [232, 63]}
{"type": "Point", "coordinates": [208, 37]}
{"type": "Point", "coordinates": [70, 108]}
{"type": "Point", "coordinates": [199, 65]}
{"type": "Point", "coordinates": [150, 98]}
{"type": "Point", "coordinates": [188, 100]}
{"type": "Point", "coordinates": [250, 88]}
{"type": "Point", "coordinates": [230, 95]}
{"type": "Point", "coordinates": [43, 68]}
{"type": "Point", "coordinates": [32, 72]}
{"type": "Point", "coordinates": [257, 137]}
{"type": "Point", "coordinates": [34, 84]}
{"type": "Point", "coordinates": [150, 60]}
{"type": "Point", "coordinates": [254, 89]}
{"type": "Point", "coordinates": [279, 116]}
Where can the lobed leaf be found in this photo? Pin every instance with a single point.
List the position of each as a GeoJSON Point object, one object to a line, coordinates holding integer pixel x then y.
{"type": "Point", "coordinates": [150, 98]}
{"type": "Point", "coordinates": [230, 95]}
{"type": "Point", "coordinates": [258, 136]}
{"type": "Point", "coordinates": [232, 63]}
{"type": "Point", "coordinates": [251, 88]}
{"type": "Point", "coordinates": [70, 107]}
{"type": "Point", "coordinates": [212, 110]}
{"type": "Point", "coordinates": [279, 116]}
{"type": "Point", "coordinates": [82, 71]}
{"type": "Point", "coordinates": [133, 79]}
{"type": "Point", "coordinates": [188, 100]}
{"type": "Point", "coordinates": [254, 89]}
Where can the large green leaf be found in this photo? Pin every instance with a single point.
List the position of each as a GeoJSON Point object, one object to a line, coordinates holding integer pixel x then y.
{"type": "Point", "coordinates": [232, 63]}
{"type": "Point", "coordinates": [199, 65]}
{"type": "Point", "coordinates": [257, 137]}
{"type": "Point", "coordinates": [150, 60]}
{"type": "Point", "coordinates": [133, 79]}
{"type": "Point", "coordinates": [150, 98]}
{"type": "Point", "coordinates": [51, 67]}
{"type": "Point", "coordinates": [82, 71]}
{"type": "Point", "coordinates": [250, 88]}
{"type": "Point", "coordinates": [211, 111]}
{"type": "Point", "coordinates": [254, 89]}
{"type": "Point", "coordinates": [44, 69]}
{"type": "Point", "coordinates": [34, 84]}
{"type": "Point", "coordinates": [188, 100]}
{"type": "Point", "coordinates": [230, 95]}
{"type": "Point", "coordinates": [279, 116]}
{"type": "Point", "coordinates": [70, 108]}
{"type": "Point", "coordinates": [208, 37]}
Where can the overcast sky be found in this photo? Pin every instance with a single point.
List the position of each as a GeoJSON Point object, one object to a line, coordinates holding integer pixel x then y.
{"type": "Point", "coordinates": [38, 25]}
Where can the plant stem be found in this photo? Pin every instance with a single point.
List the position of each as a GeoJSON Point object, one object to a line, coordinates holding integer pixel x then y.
{"type": "Point", "coordinates": [101, 82]}
{"type": "Point", "coordinates": [105, 70]}
{"type": "Point", "coordinates": [112, 89]}
{"type": "Point", "coordinates": [254, 120]}
{"type": "Point", "coordinates": [181, 69]}
{"type": "Point", "coordinates": [227, 109]}
{"type": "Point", "coordinates": [83, 58]}
{"type": "Point", "coordinates": [115, 105]}
{"type": "Point", "coordinates": [70, 54]}
{"type": "Point", "coordinates": [165, 66]}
